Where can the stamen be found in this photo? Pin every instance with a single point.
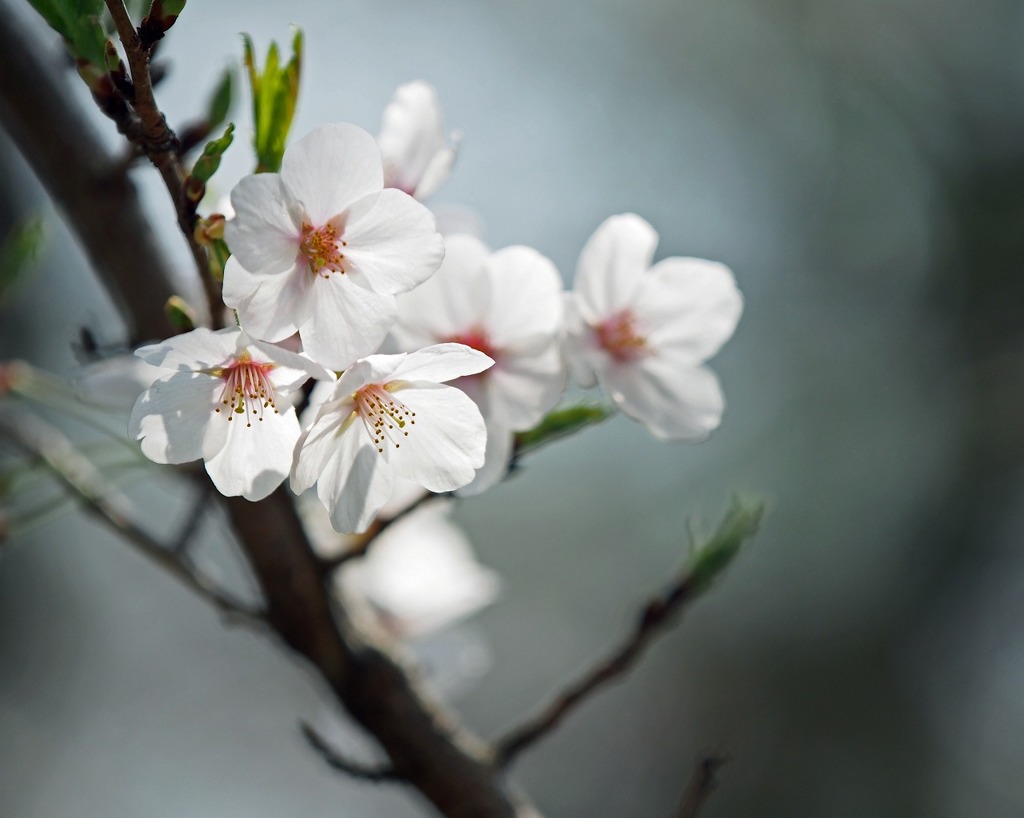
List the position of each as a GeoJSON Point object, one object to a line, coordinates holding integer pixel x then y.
{"type": "Point", "coordinates": [620, 338]}
{"type": "Point", "coordinates": [247, 389]}
{"type": "Point", "coordinates": [384, 417]}
{"type": "Point", "coordinates": [321, 247]}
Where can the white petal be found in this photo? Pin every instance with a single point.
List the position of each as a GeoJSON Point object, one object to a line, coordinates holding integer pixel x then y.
{"type": "Point", "coordinates": [395, 244]}
{"type": "Point", "coordinates": [348, 321]}
{"type": "Point", "coordinates": [199, 349]}
{"type": "Point", "coordinates": [264, 234]}
{"type": "Point", "coordinates": [291, 369]}
{"type": "Point", "coordinates": [330, 168]}
{"type": "Point", "coordinates": [526, 295]}
{"type": "Point", "coordinates": [317, 445]}
{"type": "Point", "coordinates": [356, 481]}
{"type": "Point", "coordinates": [411, 135]}
{"type": "Point", "coordinates": [612, 263]}
{"type": "Point", "coordinates": [689, 306]}
{"type": "Point", "coordinates": [172, 415]}
{"type": "Point", "coordinates": [422, 571]}
{"type": "Point", "coordinates": [453, 300]}
{"type": "Point", "coordinates": [267, 305]}
{"type": "Point", "coordinates": [446, 445]}
{"type": "Point", "coordinates": [437, 171]}
{"type": "Point", "coordinates": [441, 362]}
{"type": "Point", "coordinates": [255, 459]}
{"type": "Point", "coordinates": [496, 461]}
{"type": "Point", "coordinates": [672, 402]}
{"type": "Point", "coordinates": [524, 388]}
{"type": "Point", "coordinates": [578, 344]}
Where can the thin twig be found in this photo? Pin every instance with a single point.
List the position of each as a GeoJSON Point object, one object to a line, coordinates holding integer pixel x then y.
{"type": "Point", "coordinates": [356, 769]}
{"type": "Point", "coordinates": [78, 474]}
{"type": "Point", "coordinates": [703, 782]}
{"type": "Point", "coordinates": [739, 524]}
{"type": "Point", "coordinates": [160, 143]}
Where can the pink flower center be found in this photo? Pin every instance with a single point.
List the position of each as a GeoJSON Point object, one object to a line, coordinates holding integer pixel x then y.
{"type": "Point", "coordinates": [247, 389]}
{"type": "Point", "coordinates": [321, 247]}
{"type": "Point", "coordinates": [384, 416]}
{"type": "Point", "coordinates": [476, 338]}
{"type": "Point", "coordinates": [619, 337]}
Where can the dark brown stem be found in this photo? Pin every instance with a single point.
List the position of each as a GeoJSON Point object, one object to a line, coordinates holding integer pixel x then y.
{"type": "Point", "coordinates": [161, 145]}
{"type": "Point", "coordinates": [334, 759]}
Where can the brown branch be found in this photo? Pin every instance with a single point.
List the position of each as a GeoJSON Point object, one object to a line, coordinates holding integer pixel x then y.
{"type": "Point", "coordinates": [95, 194]}
{"type": "Point", "coordinates": [77, 474]}
{"type": "Point", "coordinates": [161, 145]}
{"type": "Point", "coordinates": [708, 562]}
{"type": "Point", "coordinates": [703, 782]}
{"type": "Point", "coordinates": [334, 759]}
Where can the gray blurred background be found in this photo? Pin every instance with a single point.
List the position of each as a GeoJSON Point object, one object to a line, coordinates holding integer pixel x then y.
{"type": "Point", "coordinates": [860, 165]}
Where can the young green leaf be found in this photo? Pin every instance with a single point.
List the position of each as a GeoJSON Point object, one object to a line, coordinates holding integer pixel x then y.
{"type": "Point", "coordinates": [78, 22]}
{"type": "Point", "coordinates": [275, 93]}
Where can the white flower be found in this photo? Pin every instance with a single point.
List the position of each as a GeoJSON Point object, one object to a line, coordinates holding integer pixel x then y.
{"type": "Point", "coordinates": [508, 305]}
{"type": "Point", "coordinates": [224, 398]}
{"type": "Point", "coordinates": [420, 575]}
{"type": "Point", "coordinates": [417, 157]}
{"type": "Point", "coordinates": [322, 248]}
{"type": "Point", "coordinates": [392, 416]}
{"type": "Point", "coordinates": [644, 331]}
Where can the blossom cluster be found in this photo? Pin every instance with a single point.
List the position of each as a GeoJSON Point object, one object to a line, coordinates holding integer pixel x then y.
{"type": "Point", "coordinates": [429, 352]}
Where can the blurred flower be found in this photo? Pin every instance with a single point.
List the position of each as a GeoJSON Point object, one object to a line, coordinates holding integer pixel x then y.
{"type": "Point", "coordinates": [392, 416]}
{"type": "Point", "coordinates": [115, 383]}
{"type": "Point", "coordinates": [508, 305]}
{"type": "Point", "coordinates": [417, 156]}
{"type": "Point", "coordinates": [225, 401]}
{"type": "Point", "coordinates": [644, 331]}
{"type": "Point", "coordinates": [420, 575]}
{"type": "Point", "coordinates": [322, 248]}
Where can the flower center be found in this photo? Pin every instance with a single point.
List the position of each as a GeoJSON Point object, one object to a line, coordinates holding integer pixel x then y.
{"type": "Point", "coordinates": [619, 337]}
{"type": "Point", "coordinates": [247, 388]}
{"type": "Point", "coordinates": [321, 247]}
{"type": "Point", "coordinates": [384, 416]}
{"type": "Point", "coordinates": [475, 338]}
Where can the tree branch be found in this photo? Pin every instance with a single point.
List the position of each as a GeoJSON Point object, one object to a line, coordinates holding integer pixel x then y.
{"type": "Point", "coordinates": [77, 474]}
{"type": "Point", "coordinates": [95, 194]}
{"type": "Point", "coordinates": [160, 143]}
{"type": "Point", "coordinates": [661, 612]}
{"type": "Point", "coordinates": [703, 782]}
{"type": "Point", "coordinates": [334, 759]}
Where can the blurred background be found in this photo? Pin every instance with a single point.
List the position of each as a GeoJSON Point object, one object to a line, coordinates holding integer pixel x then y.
{"type": "Point", "coordinates": [860, 165]}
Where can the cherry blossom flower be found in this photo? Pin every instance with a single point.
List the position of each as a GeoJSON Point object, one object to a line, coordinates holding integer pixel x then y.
{"type": "Point", "coordinates": [417, 157]}
{"type": "Point", "coordinates": [322, 247]}
{"type": "Point", "coordinates": [223, 397]}
{"type": "Point", "coordinates": [508, 305]}
{"type": "Point", "coordinates": [644, 332]}
{"type": "Point", "coordinates": [392, 416]}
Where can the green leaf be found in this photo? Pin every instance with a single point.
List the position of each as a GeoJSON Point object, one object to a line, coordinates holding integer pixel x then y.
{"type": "Point", "coordinates": [275, 93]}
{"type": "Point", "coordinates": [220, 102]}
{"type": "Point", "coordinates": [19, 253]}
{"type": "Point", "coordinates": [741, 522]}
{"type": "Point", "coordinates": [206, 165]}
{"type": "Point", "coordinates": [78, 22]}
{"type": "Point", "coordinates": [560, 423]}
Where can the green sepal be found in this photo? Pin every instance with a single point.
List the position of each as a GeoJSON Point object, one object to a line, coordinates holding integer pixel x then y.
{"type": "Point", "coordinates": [206, 165]}
{"type": "Point", "coordinates": [560, 423]}
{"type": "Point", "coordinates": [740, 523]}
